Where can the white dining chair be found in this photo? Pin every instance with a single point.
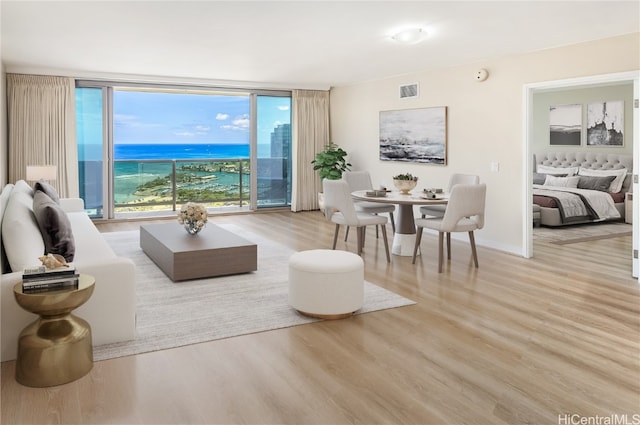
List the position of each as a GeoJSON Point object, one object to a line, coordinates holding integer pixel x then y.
{"type": "Point", "coordinates": [438, 210]}
{"type": "Point", "coordinates": [340, 209]}
{"type": "Point", "coordinates": [361, 180]}
{"type": "Point", "coordinates": [464, 213]}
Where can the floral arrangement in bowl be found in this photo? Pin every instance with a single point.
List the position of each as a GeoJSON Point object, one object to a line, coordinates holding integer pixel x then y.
{"type": "Point", "coordinates": [405, 182]}
{"type": "Point", "coordinates": [193, 217]}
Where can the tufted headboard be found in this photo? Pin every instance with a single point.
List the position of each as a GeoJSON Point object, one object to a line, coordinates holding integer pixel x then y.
{"type": "Point", "coordinates": [593, 160]}
{"type": "Point", "coordinates": [596, 161]}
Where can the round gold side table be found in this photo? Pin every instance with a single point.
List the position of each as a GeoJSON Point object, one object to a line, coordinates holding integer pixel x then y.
{"type": "Point", "coordinates": [57, 347]}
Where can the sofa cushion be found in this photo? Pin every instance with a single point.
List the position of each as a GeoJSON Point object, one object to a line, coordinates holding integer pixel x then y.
{"type": "Point", "coordinates": [4, 199]}
{"type": "Point", "coordinates": [48, 189]}
{"type": "Point", "coordinates": [21, 235]}
{"type": "Point", "coordinates": [54, 226]}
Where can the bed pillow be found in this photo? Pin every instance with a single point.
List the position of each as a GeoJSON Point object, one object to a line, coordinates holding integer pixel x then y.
{"type": "Point", "coordinates": [48, 189]}
{"type": "Point", "coordinates": [54, 226]}
{"type": "Point", "coordinates": [552, 180]}
{"type": "Point", "coordinates": [595, 183]}
{"type": "Point", "coordinates": [538, 178]}
{"type": "Point", "coordinates": [616, 184]}
{"type": "Point", "coordinates": [567, 171]}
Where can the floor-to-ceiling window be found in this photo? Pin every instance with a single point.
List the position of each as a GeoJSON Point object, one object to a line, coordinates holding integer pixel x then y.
{"type": "Point", "coordinates": [146, 150]}
{"type": "Point", "coordinates": [274, 150]}
{"type": "Point", "coordinates": [90, 129]}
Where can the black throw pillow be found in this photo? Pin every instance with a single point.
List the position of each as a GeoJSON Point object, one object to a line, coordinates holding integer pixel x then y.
{"type": "Point", "coordinates": [48, 189]}
{"type": "Point", "coordinates": [595, 183]}
{"type": "Point", "coordinates": [54, 226]}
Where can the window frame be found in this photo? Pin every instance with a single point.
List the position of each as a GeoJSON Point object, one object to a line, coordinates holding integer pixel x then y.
{"type": "Point", "coordinates": [108, 87]}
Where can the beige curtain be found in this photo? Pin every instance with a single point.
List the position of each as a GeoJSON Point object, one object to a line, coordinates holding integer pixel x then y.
{"type": "Point", "coordinates": [310, 133]}
{"type": "Point", "coordinates": [42, 128]}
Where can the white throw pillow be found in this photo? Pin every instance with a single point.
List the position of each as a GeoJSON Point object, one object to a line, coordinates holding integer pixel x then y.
{"type": "Point", "coordinates": [23, 242]}
{"type": "Point", "coordinates": [568, 171]}
{"type": "Point", "coordinates": [616, 184]}
{"type": "Point", "coordinates": [561, 181]}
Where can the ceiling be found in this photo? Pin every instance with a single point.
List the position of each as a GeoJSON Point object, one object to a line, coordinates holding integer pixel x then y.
{"type": "Point", "coordinates": [295, 44]}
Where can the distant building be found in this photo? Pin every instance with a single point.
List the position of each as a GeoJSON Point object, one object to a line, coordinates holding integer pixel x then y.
{"type": "Point", "coordinates": [273, 184]}
{"type": "Point", "coordinates": [281, 141]}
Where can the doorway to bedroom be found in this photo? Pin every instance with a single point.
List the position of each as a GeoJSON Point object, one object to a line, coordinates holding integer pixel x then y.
{"type": "Point", "coordinates": [576, 96]}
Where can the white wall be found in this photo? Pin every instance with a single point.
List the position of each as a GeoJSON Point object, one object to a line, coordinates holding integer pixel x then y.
{"type": "Point", "coordinates": [485, 121]}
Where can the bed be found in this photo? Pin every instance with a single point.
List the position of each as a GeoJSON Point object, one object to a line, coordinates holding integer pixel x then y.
{"type": "Point", "coordinates": [581, 187]}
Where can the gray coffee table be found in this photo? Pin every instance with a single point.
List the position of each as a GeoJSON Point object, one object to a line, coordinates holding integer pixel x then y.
{"type": "Point", "coordinates": [212, 252]}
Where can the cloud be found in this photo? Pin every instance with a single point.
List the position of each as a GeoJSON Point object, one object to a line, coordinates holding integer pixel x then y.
{"type": "Point", "coordinates": [122, 118]}
{"type": "Point", "coordinates": [184, 133]}
{"type": "Point", "coordinates": [283, 108]}
{"type": "Point", "coordinates": [222, 117]}
{"type": "Point", "coordinates": [240, 123]}
{"type": "Point", "coordinates": [202, 128]}
{"type": "Point", "coordinates": [132, 121]}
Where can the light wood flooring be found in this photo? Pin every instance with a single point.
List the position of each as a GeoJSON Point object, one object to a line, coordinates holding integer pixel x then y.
{"type": "Point", "coordinates": [515, 341]}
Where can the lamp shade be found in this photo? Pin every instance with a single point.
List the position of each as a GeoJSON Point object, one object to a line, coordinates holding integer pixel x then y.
{"type": "Point", "coordinates": [44, 172]}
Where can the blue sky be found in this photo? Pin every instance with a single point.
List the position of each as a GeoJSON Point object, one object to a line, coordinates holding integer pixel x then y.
{"type": "Point", "coordinates": [147, 117]}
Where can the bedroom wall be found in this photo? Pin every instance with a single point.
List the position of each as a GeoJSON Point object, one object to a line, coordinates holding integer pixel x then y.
{"type": "Point", "coordinates": [543, 100]}
{"type": "Point", "coordinates": [485, 122]}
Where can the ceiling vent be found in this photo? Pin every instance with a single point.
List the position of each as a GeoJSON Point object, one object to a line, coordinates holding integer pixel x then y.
{"type": "Point", "coordinates": [408, 91]}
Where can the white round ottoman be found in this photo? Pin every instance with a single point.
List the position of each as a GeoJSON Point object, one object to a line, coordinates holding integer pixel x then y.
{"type": "Point", "coordinates": [325, 283]}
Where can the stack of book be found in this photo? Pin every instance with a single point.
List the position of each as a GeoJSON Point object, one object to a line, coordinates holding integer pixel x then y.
{"type": "Point", "coordinates": [38, 279]}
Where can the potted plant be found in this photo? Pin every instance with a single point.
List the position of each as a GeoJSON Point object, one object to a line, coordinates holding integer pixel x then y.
{"type": "Point", "coordinates": [330, 163]}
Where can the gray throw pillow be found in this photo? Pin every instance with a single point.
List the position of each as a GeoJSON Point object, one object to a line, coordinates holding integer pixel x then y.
{"type": "Point", "coordinates": [48, 189]}
{"type": "Point", "coordinates": [539, 178]}
{"type": "Point", "coordinates": [595, 183]}
{"type": "Point", "coordinates": [54, 226]}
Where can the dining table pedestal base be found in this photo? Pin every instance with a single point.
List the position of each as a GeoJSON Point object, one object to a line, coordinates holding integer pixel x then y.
{"type": "Point", "coordinates": [403, 244]}
{"type": "Point", "coordinates": [404, 238]}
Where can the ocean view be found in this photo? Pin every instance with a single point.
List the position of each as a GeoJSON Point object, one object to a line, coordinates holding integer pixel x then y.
{"type": "Point", "coordinates": [139, 182]}
{"type": "Point", "coordinates": [89, 152]}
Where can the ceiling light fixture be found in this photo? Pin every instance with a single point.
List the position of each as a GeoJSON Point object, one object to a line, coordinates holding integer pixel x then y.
{"type": "Point", "coordinates": [410, 36]}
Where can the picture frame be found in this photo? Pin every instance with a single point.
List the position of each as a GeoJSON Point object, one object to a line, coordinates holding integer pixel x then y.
{"type": "Point", "coordinates": [565, 125]}
{"type": "Point", "coordinates": [414, 135]}
{"type": "Point", "coordinates": [605, 124]}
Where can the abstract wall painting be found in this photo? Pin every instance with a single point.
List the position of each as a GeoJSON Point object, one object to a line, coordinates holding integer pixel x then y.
{"type": "Point", "coordinates": [605, 123]}
{"type": "Point", "coordinates": [565, 125]}
{"type": "Point", "coordinates": [414, 135]}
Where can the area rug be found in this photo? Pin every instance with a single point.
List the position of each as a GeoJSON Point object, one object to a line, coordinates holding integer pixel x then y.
{"type": "Point", "coordinates": [172, 314]}
{"type": "Point", "coordinates": [565, 235]}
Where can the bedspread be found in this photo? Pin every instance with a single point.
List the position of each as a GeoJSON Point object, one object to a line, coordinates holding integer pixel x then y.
{"type": "Point", "coordinates": [580, 202]}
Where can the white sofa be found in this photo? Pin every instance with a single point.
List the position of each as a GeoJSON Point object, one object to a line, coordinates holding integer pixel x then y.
{"type": "Point", "coordinates": [111, 309]}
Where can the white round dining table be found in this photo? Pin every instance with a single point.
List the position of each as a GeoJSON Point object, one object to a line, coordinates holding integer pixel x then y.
{"type": "Point", "coordinates": [404, 239]}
